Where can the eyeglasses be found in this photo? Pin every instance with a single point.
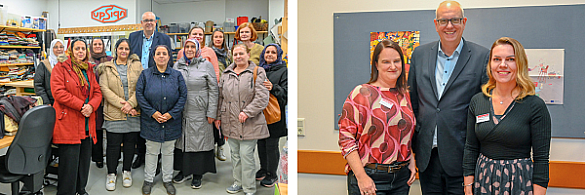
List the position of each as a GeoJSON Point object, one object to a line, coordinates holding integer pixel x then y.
{"type": "Point", "coordinates": [148, 20]}
{"type": "Point", "coordinates": [454, 21]}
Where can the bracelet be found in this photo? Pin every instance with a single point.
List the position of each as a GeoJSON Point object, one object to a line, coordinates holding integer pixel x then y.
{"type": "Point", "coordinates": [463, 184]}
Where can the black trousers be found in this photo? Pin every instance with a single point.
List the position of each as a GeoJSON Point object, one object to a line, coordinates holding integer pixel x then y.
{"type": "Point", "coordinates": [220, 140]}
{"type": "Point", "coordinates": [113, 150]}
{"type": "Point", "coordinates": [269, 155]}
{"type": "Point", "coordinates": [97, 149]}
{"type": "Point", "coordinates": [434, 180]}
{"type": "Point", "coordinates": [386, 183]}
{"type": "Point", "coordinates": [74, 160]}
{"type": "Point", "coordinates": [140, 147]}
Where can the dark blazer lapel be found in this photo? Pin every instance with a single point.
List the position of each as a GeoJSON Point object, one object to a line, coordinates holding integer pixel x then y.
{"type": "Point", "coordinates": [461, 62]}
{"type": "Point", "coordinates": [432, 57]}
{"type": "Point", "coordinates": [154, 40]}
{"type": "Point", "coordinates": [140, 38]}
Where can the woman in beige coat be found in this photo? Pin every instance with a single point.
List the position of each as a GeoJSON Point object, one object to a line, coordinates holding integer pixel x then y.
{"type": "Point", "coordinates": [241, 101]}
{"type": "Point", "coordinates": [121, 112]}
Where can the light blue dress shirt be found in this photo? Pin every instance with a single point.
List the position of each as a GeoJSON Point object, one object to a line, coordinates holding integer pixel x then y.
{"type": "Point", "coordinates": [146, 43]}
{"type": "Point", "coordinates": [443, 71]}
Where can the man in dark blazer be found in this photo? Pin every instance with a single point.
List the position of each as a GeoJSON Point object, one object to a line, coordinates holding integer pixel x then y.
{"type": "Point", "coordinates": [142, 43]}
{"type": "Point", "coordinates": [443, 77]}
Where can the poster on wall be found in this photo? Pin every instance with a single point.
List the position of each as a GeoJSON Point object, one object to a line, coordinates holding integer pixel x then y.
{"type": "Point", "coordinates": [546, 69]}
{"type": "Point", "coordinates": [407, 40]}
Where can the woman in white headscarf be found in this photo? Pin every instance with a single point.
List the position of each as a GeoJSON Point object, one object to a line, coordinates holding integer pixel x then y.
{"type": "Point", "coordinates": [43, 72]}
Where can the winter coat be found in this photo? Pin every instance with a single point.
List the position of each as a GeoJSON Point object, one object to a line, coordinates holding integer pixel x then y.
{"type": "Point", "coordinates": [99, 119]}
{"type": "Point", "coordinates": [241, 94]}
{"type": "Point", "coordinates": [278, 76]}
{"type": "Point", "coordinates": [201, 103]}
{"type": "Point", "coordinates": [163, 92]}
{"type": "Point", "coordinates": [112, 89]}
{"type": "Point", "coordinates": [43, 82]}
{"type": "Point", "coordinates": [70, 123]}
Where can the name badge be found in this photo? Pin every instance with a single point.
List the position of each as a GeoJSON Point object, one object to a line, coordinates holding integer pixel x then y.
{"type": "Point", "coordinates": [386, 103]}
{"type": "Point", "coordinates": [482, 118]}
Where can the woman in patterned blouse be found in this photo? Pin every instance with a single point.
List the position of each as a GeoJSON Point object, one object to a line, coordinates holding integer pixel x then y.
{"type": "Point", "coordinates": [376, 128]}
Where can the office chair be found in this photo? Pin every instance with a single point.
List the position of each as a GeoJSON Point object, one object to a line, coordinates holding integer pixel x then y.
{"type": "Point", "coordinates": [29, 152]}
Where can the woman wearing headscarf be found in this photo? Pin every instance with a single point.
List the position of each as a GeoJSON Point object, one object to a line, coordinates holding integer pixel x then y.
{"type": "Point", "coordinates": [97, 53]}
{"type": "Point", "coordinates": [207, 53]}
{"type": "Point", "coordinates": [224, 55]}
{"type": "Point", "coordinates": [43, 72]}
{"type": "Point", "coordinates": [242, 98]}
{"type": "Point", "coordinates": [122, 124]}
{"type": "Point", "coordinates": [161, 93]}
{"type": "Point", "coordinates": [76, 93]}
{"type": "Point", "coordinates": [194, 150]}
{"type": "Point", "coordinates": [247, 34]}
{"type": "Point", "coordinates": [277, 84]}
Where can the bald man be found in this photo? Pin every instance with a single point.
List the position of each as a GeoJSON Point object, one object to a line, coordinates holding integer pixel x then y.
{"type": "Point", "coordinates": [443, 77]}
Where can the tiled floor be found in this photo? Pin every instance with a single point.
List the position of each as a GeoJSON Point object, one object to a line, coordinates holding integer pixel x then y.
{"type": "Point", "coordinates": [212, 183]}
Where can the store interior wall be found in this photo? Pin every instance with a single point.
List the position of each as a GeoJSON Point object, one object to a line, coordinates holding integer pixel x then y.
{"type": "Point", "coordinates": [275, 11]}
{"type": "Point", "coordinates": [315, 59]}
{"type": "Point", "coordinates": [25, 7]}
{"type": "Point", "coordinates": [76, 13]}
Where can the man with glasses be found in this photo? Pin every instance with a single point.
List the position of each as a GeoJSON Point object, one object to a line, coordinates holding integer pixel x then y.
{"type": "Point", "coordinates": [142, 43]}
{"type": "Point", "coordinates": [443, 77]}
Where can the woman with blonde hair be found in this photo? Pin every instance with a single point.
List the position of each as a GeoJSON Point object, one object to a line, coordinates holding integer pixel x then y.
{"type": "Point", "coordinates": [508, 129]}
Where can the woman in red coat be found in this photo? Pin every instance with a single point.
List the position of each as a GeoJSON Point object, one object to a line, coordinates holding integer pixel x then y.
{"type": "Point", "coordinates": [77, 94]}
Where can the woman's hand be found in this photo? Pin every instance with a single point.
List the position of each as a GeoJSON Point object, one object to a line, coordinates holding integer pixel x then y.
{"type": "Point", "coordinates": [133, 112]}
{"type": "Point", "coordinates": [210, 120]}
{"type": "Point", "coordinates": [412, 168]}
{"type": "Point", "coordinates": [126, 108]}
{"type": "Point", "coordinates": [217, 123]}
{"type": "Point", "coordinates": [367, 185]}
{"type": "Point", "coordinates": [242, 117]}
{"type": "Point", "coordinates": [86, 110]}
{"type": "Point", "coordinates": [165, 117]}
{"type": "Point", "coordinates": [267, 84]}
{"type": "Point", "coordinates": [468, 189]}
{"type": "Point", "coordinates": [157, 116]}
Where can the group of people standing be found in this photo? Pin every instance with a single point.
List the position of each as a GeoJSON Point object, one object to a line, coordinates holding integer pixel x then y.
{"type": "Point", "coordinates": [147, 104]}
{"type": "Point", "coordinates": [467, 117]}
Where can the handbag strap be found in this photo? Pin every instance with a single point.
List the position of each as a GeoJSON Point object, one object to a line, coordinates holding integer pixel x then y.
{"type": "Point", "coordinates": [255, 74]}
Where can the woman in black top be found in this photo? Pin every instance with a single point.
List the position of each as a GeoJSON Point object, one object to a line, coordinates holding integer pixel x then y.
{"type": "Point", "coordinates": [504, 124]}
{"type": "Point", "coordinates": [277, 84]}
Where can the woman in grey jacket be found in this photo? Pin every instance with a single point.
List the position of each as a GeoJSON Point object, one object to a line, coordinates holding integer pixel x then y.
{"type": "Point", "coordinates": [242, 98]}
{"type": "Point", "coordinates": [194, 149]}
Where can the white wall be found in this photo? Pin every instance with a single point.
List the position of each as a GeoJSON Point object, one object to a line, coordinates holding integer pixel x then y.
{"type": "Point", "coordinates": [192, 11]}
{"type": "Point", "coordinates": [77, 13]}
{"type": "Point", "coordinates": [32, 8]}
{"type": "Point", "coordinates": [315, 65]}
{"type": "Point", "coordinates": [275, 10]}
{"type": "Point", "coordinates": [143, 6]}
{"type": "Point", "coordinates": [250, 8]}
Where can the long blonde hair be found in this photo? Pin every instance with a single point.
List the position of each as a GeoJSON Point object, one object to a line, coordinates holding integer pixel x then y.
{"type": "Point", "coordinates": [523, 81]}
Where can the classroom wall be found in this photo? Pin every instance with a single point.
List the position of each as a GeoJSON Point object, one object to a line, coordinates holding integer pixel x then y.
{"type": "Point", "coordinates": [315, 65]}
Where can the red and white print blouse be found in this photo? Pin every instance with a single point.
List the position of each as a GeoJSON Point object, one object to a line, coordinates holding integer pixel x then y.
{"type": "Point", "coordinates": [378, 123]}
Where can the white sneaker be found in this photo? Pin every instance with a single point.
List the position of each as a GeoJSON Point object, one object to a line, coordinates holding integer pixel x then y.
{"type": "Point", "coordinates": [111, 182]}
{"type": "Point", "coordinates": [220, 156]}
{"type": "Point", "coordinates": [127, 182]}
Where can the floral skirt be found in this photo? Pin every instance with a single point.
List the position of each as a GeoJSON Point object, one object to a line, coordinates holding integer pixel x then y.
{"type": "Point", "coordinates": [503, 177]}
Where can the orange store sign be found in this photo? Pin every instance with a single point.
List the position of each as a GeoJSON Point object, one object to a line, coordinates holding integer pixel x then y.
{"type": "Point", "coordinates": [109, 13]}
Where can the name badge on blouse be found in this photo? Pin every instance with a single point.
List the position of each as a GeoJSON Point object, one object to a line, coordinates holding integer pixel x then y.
{"type": "Point", "coordinates": [482, 118]}
{"type": "Point", "coordinates": [386, 103]}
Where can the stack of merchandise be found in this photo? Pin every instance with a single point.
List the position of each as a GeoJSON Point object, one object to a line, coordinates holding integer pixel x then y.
{"type": "Point", "coordinates": [18, 39]}
{"type": "Point", "coordinates": [17, 73]}
{"type": "Point", "coordinates": [16, 57]}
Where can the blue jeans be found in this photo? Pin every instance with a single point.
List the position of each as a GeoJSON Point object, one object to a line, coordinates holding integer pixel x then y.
{"type": "Point", "coordinates": [386, 183]}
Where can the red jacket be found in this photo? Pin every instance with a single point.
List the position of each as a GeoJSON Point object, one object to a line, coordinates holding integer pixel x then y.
{"type": "Point", "coordinates": [66, 89]}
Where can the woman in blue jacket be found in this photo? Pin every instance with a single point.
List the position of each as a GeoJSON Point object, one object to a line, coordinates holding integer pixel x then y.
{"type": "Point", "coordinates": [161, 93]}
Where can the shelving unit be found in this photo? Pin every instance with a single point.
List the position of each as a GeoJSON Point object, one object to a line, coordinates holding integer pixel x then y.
{"type": "Point", "coordinates": [175, 35]}
{"type": "Point", "coordinates": [22, 87]}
